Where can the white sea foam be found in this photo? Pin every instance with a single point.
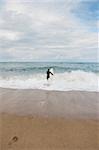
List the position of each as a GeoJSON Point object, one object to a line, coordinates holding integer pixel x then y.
{"type": "Point", "coordinates": [74, 80]}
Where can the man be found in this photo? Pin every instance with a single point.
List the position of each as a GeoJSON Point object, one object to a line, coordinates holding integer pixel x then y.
{"type": "Point", "coordinates": [48, 74]}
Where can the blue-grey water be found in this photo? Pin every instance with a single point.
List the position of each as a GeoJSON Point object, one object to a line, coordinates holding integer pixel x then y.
{"type": "Point", "coordinates": [68, 76]}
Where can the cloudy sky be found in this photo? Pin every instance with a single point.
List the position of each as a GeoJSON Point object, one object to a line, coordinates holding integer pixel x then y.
{"type": "Point", "coordinates": [49, 30]}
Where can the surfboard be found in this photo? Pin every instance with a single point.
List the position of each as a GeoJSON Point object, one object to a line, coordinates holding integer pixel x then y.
{"type": "Point", "coordinates": [52, 70]}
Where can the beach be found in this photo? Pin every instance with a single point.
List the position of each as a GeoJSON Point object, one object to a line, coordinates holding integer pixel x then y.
{"type": "Point", "coordinates": [34, 133]}
{"type": "Point", "coordinates": [48, 120]}
{"type": "Point", "coordinates": [49, 75]}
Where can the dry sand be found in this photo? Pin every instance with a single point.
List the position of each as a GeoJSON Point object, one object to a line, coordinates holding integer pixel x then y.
{"type": "Point", "coordinates": [28, 133]}
{"type": "Point", "coordinates": [42, 120]}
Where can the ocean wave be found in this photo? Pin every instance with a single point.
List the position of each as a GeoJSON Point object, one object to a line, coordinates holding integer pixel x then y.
{"type": "Point", "coordinates": [74, 80]}
{"type": "Point", "coordinates": [42, 67]}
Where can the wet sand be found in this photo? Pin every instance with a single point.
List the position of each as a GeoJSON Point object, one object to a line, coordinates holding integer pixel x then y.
{"type": "Point", "coordinates": [70, 104]}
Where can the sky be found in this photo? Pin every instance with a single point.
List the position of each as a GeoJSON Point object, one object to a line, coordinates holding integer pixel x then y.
{"type": "Point", "coordinates": [49, 30]}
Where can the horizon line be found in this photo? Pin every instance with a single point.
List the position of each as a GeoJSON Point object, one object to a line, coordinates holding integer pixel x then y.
{"type": "Point", "coordinates": [49, 61]}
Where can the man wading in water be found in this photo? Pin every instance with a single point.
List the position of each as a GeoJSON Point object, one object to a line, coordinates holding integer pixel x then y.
{"type": "Point", "coordinates": [48, 74]}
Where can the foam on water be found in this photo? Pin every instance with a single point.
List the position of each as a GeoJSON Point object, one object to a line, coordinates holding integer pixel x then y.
{"type": "Point", "coordinates": [74, 80]}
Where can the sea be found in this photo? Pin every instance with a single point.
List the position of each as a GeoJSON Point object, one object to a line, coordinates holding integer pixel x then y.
{"type": "Point", "coordinates": [67, 76]}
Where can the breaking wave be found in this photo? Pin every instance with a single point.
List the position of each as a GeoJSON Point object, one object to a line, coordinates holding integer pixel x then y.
{"type": "Point", "coordinates": [74, 80]}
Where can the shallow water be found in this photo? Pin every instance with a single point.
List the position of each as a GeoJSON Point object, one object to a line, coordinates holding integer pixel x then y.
{"type": "Point", "coordinates": [67, 76]}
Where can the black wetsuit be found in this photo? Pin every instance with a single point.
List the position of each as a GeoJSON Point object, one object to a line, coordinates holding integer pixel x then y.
{"type": "Point", "coordinates": [48, 74]}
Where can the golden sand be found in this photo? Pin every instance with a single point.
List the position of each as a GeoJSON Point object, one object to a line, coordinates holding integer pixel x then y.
{"type": "Point", "coordinates": [36, 133]}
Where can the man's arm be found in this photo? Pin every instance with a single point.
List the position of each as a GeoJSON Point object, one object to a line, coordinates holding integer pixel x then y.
{"type": "Point", "coordinates": [51, 73]}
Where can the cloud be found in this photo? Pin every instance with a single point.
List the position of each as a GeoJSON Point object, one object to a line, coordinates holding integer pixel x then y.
{"type": "Point", "coordinates": [51, 29]}
{"type": "Point", "coordinates": [9, 35]}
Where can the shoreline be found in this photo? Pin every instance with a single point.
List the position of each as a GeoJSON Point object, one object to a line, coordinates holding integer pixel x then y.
{"type": "Point", "coordinates": [29, 89]}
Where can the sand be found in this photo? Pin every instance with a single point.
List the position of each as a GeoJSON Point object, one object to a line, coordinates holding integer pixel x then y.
{"type": "Point", "coordinates": [71, 104]}
{"type": "Point", "coordinates": [34, 133]}
{"type": "Point", "coordinates": [48, 120]}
